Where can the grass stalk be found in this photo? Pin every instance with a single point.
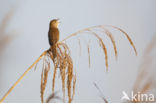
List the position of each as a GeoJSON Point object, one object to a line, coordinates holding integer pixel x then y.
{"type": "Point", "coordinates": [14, 85]}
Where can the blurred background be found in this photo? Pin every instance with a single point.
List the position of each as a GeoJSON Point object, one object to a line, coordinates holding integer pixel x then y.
{"type": "Point", "coordinates": [26, 34]}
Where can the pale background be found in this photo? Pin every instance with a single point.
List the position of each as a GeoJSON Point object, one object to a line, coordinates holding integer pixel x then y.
{"type": "Point", "coordinates": [31, 21]}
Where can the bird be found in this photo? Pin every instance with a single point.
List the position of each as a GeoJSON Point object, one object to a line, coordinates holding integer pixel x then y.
{"type": "Point", "coordinates": [53, 35]}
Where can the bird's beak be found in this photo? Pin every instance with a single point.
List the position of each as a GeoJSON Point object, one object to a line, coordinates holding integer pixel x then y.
{"type": "Point", "coordinates": [59, 21]}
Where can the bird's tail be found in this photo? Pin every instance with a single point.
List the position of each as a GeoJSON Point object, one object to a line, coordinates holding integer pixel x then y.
{"type": "Point", "coordinates": [54, 52]}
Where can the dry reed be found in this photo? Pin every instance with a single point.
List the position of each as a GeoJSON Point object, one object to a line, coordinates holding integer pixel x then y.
{"type": "Point", "coordinates": [6, 37]}
{"type": "Point", "coordinates": [64, 63]}
{"type": "Point", "coordinates": [44, 77]}
{"type": "Point", "coordinates": [52, 97]}
{"type": "Point", "coordinates": [145, 80]}
{"type": "Point", "coordinates": [88, 54]}
{"type": "Point", "coordinates": [101, 94]}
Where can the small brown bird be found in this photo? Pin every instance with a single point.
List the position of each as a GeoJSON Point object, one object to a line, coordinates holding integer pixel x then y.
{"type": "Point", "coordinates": [53, 35]}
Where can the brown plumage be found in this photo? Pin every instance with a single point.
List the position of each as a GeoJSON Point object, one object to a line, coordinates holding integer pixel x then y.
{"type": "Point", "coordinates": [53, 35]}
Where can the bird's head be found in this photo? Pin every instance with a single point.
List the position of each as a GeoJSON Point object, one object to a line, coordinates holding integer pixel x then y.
{"type": "Point", "coordinates": [54, 23]}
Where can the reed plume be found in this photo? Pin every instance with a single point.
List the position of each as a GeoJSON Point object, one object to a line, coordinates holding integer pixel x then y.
{"type": "Point", "coordinates": [6, 37]}
{"type": "Point", "coordinates": [145, 81]}
{"type": "Point", "coordinates": [64, 62]}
